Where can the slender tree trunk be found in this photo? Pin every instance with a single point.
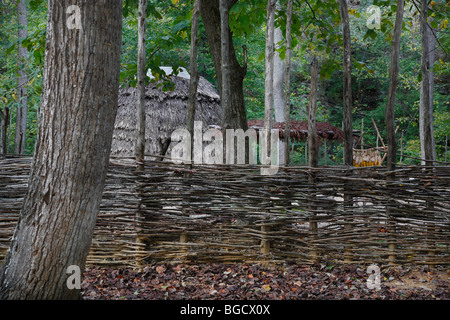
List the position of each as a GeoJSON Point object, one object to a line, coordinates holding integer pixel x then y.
{"type": "Point", "coordinates": [347, 89]}
{"type": "Point", "coordinates": [193, 84]}
{"type": "Point", "coordinates": [427, 144]}
{"type": "Point", "coordinates": [278, 82]}
{"type": "Point", "coordinates": [347, 102]}
{"type": "Point", "coordinates": [4, 130]}
{"type": "Point", "coordinates": [211, 16]}
{"type": "Point", "coordinates": [393, 81]}
{"type": "Point", "coordinates": [79, 105]}
{"type": "Point", "coordinates": [390, 120]}
{"type": "Point", "coordinates": [313, 147]}
{"type": "Point", "coordinates": [225, 79]}
{"type": "Point", "coordinates": [287, 81]}
{"type": "Point", "coordinates": [268, 76]}
{"type": "Point", "coordinates": [140, 130]}
{"type": "Point", "coordinates": [225, 66]}
{"type": "Point", "coordinates": [312, 112]}
{"type": "Point", "coordinates": [278, 74]}
{"type": "Point", "coordinates": [140, 107]}
{"type": "Point", "coordinates": [22, 80]}
{"type": "Point", "coordinates": [266, 150]}
{"type": "Point", "coordinates": [192, 100]}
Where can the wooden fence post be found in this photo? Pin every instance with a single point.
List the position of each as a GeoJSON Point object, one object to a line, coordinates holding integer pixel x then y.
{"type": "Point", "coordinates": [391, 227]}
{"type": "Point", "coordinates": [348, 207]}
{"type": "Point", "coordinates": [183, 247]}
{"type": "Point", "coordinates": [140, 241]}
{"type": "Point", "coordinates": [313, 228]}
{"type": "Point", "coordinates": [431, 228]}
{"type": "Point", "coordinates": [265, 242]}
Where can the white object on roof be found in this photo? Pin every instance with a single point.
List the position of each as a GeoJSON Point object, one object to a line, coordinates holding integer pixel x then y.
{"type": "Point", "coordinates": [169, 71]}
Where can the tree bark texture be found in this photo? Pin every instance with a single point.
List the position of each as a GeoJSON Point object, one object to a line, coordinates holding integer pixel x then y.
{"type": "Point", "coordinates": [22, 80]}
{"type": "Point", "coordinates": [79, 105]}
{"type": "Point", "coordinates": [211, 16]}
{"type": "Point", "coordinates": [427, 143]}
{"type": "Point", "coordinates": [140, 107]}
{"type": "Point", "coordinates": [393, 82]}
{"type": "Point", "coordinates": [347, 88]}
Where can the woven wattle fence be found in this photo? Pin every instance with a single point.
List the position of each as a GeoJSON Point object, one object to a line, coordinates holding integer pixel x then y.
{"type": "Point", "coordinates": [234, 214]}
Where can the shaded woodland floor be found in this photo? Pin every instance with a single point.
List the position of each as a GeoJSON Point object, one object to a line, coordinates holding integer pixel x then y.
{"type": "Point", "coordinates": [257, 282]}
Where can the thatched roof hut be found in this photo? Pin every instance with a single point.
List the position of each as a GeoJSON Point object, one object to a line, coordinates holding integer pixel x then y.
{"type": "Point", "coordinates": [165, 112]}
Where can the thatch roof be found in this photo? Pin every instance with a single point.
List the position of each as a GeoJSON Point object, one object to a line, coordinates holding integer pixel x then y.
{"type": "Point", "coordinates": [165, 112]}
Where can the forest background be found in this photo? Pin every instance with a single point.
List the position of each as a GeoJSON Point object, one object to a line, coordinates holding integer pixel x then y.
{"type": "Point", "coordinates": [316, 32]}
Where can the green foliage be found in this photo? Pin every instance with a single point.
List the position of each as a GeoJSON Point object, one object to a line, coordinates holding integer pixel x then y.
{"type": "Point", "coordinates": [167, 41]}
{"type": "Point", "coordinates": [35, 43]}
{"type": "Point", "coordinates": [316, 28]}
{"type": "Point", "coordinates": [247, 17]}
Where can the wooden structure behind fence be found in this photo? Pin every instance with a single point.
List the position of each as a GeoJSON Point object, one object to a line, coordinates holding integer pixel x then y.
{"type": "Point", "coordinates": [235, 214]}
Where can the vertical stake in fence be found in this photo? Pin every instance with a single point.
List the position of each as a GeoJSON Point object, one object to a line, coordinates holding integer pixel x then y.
{"type": "Point", "coordinates": [140, 241]}
{"type": "Point", "coordinates": [347, 227]}
{"type": "Point", "coordinates": [183, 241]}
{"type": "Point", "coordinates": [431, 227]}
{"type": "Point", "coordinates": [140, 127]}
{"type": "Point", "coordinates": [391, 226]}
{"type": "Point", "coordinates": [431, 230]}
{"type": "Point", "coordinates": [265, 243]}
{"type": "Point", "coordinates": [186, 202]}
{"type": "Point", "coordinates": [313, 228]}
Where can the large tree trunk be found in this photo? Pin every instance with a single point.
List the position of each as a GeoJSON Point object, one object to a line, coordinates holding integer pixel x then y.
{"type": "Point", "coordinates": [211, 16]}
{"type": "Point", "coordinates": [347, 88]}
{"type": "Point", "coordinates": [22, 80]}
{"type": "Point", "coordinates": [427, 142]}
{"type": "Point", "coordinates": [79, 105]}
{"type": "Point", "coordinates": [393, 81]}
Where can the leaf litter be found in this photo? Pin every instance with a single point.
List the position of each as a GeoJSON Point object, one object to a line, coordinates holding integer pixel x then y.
{"type": "Point", "coordinates": [258, 282]}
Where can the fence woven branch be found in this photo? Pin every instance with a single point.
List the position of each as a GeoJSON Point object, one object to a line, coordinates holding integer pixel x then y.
{"type": "Point", "coordinates": [225, 213]}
